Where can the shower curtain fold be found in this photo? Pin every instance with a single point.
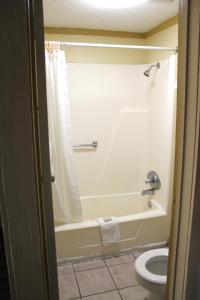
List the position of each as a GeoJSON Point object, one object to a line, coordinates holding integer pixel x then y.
{"type": "Point", "coordinates": [66, 197]}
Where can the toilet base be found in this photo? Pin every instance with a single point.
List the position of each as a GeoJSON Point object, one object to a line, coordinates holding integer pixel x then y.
{"type": "Point", "coordinates": [155, 296]}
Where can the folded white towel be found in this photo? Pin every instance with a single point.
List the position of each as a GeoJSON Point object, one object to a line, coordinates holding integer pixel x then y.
{"type": "Point", "coordinates": [110, 232]}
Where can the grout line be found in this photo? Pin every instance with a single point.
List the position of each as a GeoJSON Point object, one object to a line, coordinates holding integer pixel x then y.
{"type": "Point", "coordinates": [128, 262]}
{"type": "Point", "coordinates": [114, 282]}
{"type": "Point", "coordinates": [116, 290]}
{"type": "Point", "coordinates": [90, 269]}
{"type": "Point", "coordinates": [122, 263]}
{"type": "Point", "coordinates": [120, 295]}
{"type": "Point", "coordinates": [132, 286]}
{"type": "Point", "coordinates": [95, 268]}
{"type": "Point", "coordinates": [77, 282]}
{"type": "Point", "coordinates": [125, 289]}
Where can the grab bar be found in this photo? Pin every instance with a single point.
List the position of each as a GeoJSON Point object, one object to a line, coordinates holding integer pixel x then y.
{"type": "Point", "coordinates": [93, 145]}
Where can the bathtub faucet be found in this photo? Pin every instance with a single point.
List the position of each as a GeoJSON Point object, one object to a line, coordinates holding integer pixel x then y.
{"type": "Point", "coordinates": [148, 192]}
{"type": "Point", "coordinates": [154, 181]}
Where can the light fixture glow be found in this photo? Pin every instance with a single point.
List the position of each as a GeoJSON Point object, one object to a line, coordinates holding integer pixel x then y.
{"type": "Point", "coordinates": [115, 4]}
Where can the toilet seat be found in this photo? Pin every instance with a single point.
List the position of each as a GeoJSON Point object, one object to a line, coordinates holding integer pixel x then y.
{"type": "Point", "coordinates": [142, 262]}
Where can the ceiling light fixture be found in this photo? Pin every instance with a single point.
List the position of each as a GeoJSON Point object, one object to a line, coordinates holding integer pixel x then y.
{"type": "Point", "coordinates": [115, 4]}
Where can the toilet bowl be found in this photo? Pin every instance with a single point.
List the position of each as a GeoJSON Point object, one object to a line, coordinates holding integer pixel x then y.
{"type": "Point", "coordinates": [151, 272]}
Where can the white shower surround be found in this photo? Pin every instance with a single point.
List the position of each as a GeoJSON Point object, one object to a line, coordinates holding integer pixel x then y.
{"type": "Point", "coordinates": [133, 118]}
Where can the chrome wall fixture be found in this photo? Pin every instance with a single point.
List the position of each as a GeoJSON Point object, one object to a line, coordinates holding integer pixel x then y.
{"type": "Point", "coordinates": [147, 72]}
{"type": "Point", "coordinates": [94, 145]}
{"type": "Point", "coordinates": [154, 181]}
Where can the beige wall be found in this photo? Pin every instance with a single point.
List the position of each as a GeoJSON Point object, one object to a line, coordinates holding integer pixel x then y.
{"type": "Point", "coordinates": [165, 38]}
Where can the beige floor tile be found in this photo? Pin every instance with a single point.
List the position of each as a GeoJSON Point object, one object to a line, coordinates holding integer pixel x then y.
{"type": "Point", "coordinates": [95, 281]}
{"type": "Point", "coordinates": [65, 269]}
{"type": "Point", "coordinates": [105, 296]}
{"type": "Point", "coordinates": [119, 260]}
{"type": "Point", "coordinates": [68, 287]}
{"type": "Point", "coordinates": [88, 265]}
{"type": "Point", "coordinates": [134, 293]}
{"type": "Point", "coordinates": [123, 275]}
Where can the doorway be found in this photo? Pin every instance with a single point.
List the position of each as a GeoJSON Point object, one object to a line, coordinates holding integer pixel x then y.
{"type": "Point", "coordinates": [119, 93]}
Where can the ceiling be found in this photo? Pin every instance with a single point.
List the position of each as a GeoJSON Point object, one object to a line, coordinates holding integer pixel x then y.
{"type": "Point", "coordinates": [79, 14]}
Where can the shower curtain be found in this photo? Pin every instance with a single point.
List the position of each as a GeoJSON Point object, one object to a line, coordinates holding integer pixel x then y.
{"type": "Point", "coordinates": [66, 198]}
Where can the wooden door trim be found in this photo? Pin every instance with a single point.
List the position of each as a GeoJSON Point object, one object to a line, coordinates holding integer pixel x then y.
{"type": "Point", "coordinates": [186, 148]}
{"type": "Point", "coordinates": [42, 143]}
{"type": "Point", "coordinates": [25, 187]}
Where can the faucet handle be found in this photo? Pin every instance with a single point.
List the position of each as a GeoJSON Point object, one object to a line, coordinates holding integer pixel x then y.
{"type": "Point", "coordinates": [154, 180]}
{"type": "Point", "coordinates": [150, 180]}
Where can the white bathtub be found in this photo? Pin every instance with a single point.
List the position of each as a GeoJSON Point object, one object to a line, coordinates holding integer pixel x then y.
{"type": "Point", "coordinates": [145, 225]}
{"type": "Point", "coordinates": [118, 205]}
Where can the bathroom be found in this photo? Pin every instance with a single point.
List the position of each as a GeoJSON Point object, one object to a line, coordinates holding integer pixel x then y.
{"type": "Point", "coordinates": [111, 95]}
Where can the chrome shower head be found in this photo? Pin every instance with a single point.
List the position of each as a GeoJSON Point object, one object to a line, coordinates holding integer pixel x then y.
{"type": "Point", "coordinates": [147, 72]}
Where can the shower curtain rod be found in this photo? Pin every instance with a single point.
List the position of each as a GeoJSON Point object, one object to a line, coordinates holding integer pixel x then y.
{"type": "Point", "coordinates": [117, 46]}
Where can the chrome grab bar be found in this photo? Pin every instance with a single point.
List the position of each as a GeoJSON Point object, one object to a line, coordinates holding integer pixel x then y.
{"type": "Point", "coordinates": [93, 145]}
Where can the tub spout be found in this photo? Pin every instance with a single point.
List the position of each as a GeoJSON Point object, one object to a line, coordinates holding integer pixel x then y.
{"type": "Point", "coordinates": [148, 192]}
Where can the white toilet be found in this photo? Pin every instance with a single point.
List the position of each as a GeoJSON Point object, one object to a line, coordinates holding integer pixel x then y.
{"type": "Point", "coordinates": [151, 272]}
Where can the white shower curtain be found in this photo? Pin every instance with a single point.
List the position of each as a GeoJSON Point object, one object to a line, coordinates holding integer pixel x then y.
{"type": "Point", "coordinates": [66, 198]}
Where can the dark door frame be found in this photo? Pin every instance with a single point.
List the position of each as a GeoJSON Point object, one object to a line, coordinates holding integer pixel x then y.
{"type": "Point", "coordinates": [25, 187]}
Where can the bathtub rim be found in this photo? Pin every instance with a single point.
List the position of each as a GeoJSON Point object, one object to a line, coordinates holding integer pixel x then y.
{"type": "Point", "coordinates": [157, 212]}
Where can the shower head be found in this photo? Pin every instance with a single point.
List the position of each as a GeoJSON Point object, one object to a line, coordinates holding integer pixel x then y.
{"type": "Point", "coordinates": [147, 72]}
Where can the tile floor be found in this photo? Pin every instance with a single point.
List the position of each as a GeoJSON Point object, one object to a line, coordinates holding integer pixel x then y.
{"type": "Point", "coordinates": [101, 279]}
